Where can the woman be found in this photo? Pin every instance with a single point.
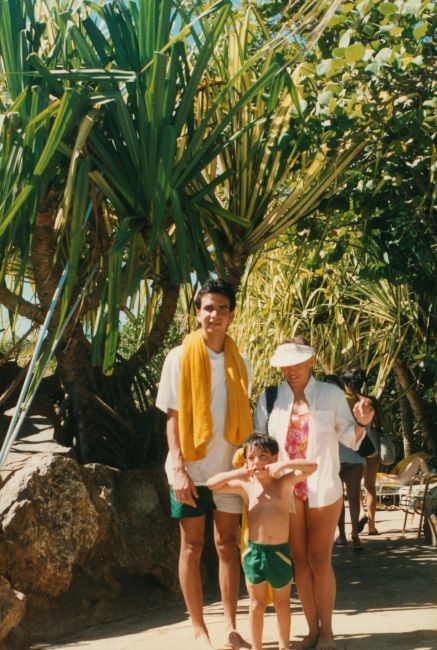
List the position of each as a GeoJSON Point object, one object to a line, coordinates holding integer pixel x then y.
{"type": "Point", "coordinates": [353, 380]}
{"type": "Point", "coordinates": [309, 419]}
{"type": "Point", "coordinates": [415, 466]}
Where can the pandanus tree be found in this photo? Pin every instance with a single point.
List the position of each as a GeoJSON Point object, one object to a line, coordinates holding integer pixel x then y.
{"type": "Point", "coordinates": [142, 142]}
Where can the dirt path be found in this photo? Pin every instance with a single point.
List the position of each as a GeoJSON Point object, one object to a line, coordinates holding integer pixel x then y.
{"type": "Point", "coordinates": [386, 598]}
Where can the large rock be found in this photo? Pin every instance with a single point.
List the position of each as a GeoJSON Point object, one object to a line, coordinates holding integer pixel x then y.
{"type": "Point", "coordinates": [134, 525]}
{"type": "Point", "coordinates": [72, 537]}
{"type": "Point", "coordinates": [49, 524]}
{"type": "Point", "coordinates": [12, 608]}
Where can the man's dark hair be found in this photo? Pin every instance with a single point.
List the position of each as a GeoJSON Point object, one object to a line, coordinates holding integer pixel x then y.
{"type": "Point", "coordinates": [261, 441]}
{"type": "Point", "coordinates": [216, 286]}
{"type": "Point", "coordinates": [354, 377]}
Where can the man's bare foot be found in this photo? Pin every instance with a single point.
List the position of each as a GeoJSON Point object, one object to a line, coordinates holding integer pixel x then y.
{"type": "Point", "coordinates": [236, 641]}
{"type": "Point", "coordinates": [202, 640]}
{"type": "Point", "coordinates": [326, 643]}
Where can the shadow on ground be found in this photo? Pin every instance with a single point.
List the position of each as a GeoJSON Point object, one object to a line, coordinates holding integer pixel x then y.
{"type": "Point", "coordinates": [396, 573]}
{"type": "Point", "coordinates": [417, 640]}
{"type": "Point", "coordinates": [389, 579]}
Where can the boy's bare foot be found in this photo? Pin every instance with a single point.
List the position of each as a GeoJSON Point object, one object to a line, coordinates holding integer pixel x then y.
{"type": "Point", "coordinates": [236, 641]}
{"type": "Point", "coordinates": [326, 643]}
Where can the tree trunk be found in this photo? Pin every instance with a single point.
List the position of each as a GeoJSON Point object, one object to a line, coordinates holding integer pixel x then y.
{"type": "Point", "coordinates": [101, 420]}
{"type": "Point", "coordinates": [417, 404]}
{"type": "Point", "coordinates": [406, 417]}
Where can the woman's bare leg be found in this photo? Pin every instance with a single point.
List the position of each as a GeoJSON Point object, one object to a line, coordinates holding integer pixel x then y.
{"type": "Point", "coordinates": [321, 524]}
{"type": "Point", "coordinates": [412, 469]}
{"type": "Point", "coordinates": [370, 470]}
{"type": "Point", "coordinates": [304, 577]}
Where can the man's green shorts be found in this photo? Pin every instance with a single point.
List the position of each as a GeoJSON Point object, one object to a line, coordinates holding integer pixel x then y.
{"type": "Point", "coordinates": [268, 563]}
{"type": "Point", "coordinates": [205, 503]}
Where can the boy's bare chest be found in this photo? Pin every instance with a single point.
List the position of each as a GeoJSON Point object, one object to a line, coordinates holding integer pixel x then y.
{"type": "Point", "coordinates": [259, 496]}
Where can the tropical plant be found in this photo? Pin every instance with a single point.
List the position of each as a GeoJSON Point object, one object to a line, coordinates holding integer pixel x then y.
{"type": "Point", "coordinates": [382, 327]}
{"type": "Point", "coordinates": [116, 122]}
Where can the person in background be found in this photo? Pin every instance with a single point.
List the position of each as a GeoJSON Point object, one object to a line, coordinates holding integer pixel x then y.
{"type": "Point", "coordinates": [309, 418]}
{"type": "Point", "coordinates": [351, 474]}
{"type": "Point", "coordinates": [353, 380]}
{"type": "Point", "coordinates": [204, 392]}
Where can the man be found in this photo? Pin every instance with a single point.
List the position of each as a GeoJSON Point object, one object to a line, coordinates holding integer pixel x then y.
{"type": "Point", "coordinates": [204, 392]}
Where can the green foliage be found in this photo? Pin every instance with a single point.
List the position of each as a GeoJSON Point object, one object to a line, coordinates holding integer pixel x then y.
{"type": "Point", "coordinates": [132, 336]}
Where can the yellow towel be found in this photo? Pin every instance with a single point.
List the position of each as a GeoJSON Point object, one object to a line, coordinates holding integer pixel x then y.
{"type": "Point", "coordinates": [194, 401]}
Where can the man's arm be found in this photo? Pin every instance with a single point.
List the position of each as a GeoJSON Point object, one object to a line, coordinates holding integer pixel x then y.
{"type": "Point", "coordinates": [183, 485]}
{"type": "Point", "coordinates": [300, 466]}
{"type": "Point", "coordinates": [228, 482]}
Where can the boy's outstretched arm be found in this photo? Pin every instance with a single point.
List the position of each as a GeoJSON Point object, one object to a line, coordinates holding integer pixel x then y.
{"type": "Point", "coordinates": [228, 481]}
{"type": "Point", "coordinates": [300, 466]}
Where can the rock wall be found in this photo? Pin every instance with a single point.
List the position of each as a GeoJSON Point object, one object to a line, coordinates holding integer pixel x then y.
{"type": "Point", "coordinates": [66, 528]}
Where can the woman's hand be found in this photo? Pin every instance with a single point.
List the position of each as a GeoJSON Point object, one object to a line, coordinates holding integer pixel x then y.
{"type": "Point", "coordinates": [363, 411]}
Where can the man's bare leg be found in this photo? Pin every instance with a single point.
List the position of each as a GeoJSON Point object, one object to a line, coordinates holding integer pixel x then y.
{"type": "Point", "coordinates": [281, 601]}
{"type": "Point", "coordinates": [225, 537]}
{"type": "Point", "coordinates": [192, 536]}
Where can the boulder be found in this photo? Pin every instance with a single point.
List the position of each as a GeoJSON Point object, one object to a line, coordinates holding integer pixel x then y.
{"type": "Point", "coordinates": [48, 523]}
{"type": "Point", "coordinates": [12, 608]}
{"type": "Point", "coordinates": [73, 538]}
{"type": "Point", "coordinates": [135, 525]}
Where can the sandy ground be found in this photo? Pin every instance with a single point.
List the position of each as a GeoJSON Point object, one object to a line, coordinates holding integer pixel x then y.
{"type": "Point", "coordinates": [386, 598]}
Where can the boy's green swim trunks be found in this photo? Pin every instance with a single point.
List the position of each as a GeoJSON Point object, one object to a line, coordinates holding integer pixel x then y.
{"type": "Point", "coordinates": [268, 563]}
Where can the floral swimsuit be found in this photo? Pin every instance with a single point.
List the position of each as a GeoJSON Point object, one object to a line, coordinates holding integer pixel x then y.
{"type": "Point", "coordinates": [296, 444]}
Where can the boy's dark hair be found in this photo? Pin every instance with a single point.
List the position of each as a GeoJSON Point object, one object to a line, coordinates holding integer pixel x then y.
{"type": "Point", "coordinates": [354, 377]}
{"type": "Point", "coordinates": [262, 441]}
{"type": "Point", "coordinates": [216, 286]}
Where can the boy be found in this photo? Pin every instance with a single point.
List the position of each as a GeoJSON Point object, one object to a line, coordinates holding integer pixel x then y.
{"type": "Point", "coordinates": [266, 488]}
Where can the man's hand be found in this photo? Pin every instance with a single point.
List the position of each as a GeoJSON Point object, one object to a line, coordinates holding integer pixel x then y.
{"type": "Point", "coordinates": [183, 487]}
{"type": "Point", "coordinates": [363, 411]}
